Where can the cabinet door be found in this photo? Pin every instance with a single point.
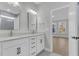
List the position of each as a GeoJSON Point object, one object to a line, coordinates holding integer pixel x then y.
{"type": "Point", "coordinates": [18, 50]}
{"type": "Point", "coordinates": [15, 47]}
{"type": "Point", "coordinates": [40, 43]}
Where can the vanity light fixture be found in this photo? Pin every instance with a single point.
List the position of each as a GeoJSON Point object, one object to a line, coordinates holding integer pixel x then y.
{"type": "Point", "coordinates": [32, 11]}
{"type": "Point", "coordinates": [7, 17]}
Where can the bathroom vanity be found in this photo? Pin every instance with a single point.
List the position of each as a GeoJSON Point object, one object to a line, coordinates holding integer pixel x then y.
{"type": "Point", "coordinates": [23, 45]}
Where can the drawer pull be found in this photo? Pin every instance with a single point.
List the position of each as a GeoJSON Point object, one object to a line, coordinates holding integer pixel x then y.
{"type": "Point", "coordinates": [33, 47]}
{"type": "Point", "coordinates": [18, 50]}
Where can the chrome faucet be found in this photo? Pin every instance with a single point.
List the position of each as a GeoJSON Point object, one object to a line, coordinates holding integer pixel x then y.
{"type": "Point", "coordinates": [33, 31]}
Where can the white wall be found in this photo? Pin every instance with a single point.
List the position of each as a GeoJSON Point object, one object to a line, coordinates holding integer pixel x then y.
{"type": "Point", "coordinates": [6, 6]}
{"type": "Point", "coordinates": [23, 15]}
{"type": "Point", "coordinates": [24, 6]}
{"type": "Point", "coordinates": [22, 9]}
{"type": "Point", "coordinates": [73, 30]}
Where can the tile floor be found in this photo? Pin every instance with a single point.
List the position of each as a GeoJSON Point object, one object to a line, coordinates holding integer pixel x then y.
{"type": "Point", "coordinates": [46, 53]}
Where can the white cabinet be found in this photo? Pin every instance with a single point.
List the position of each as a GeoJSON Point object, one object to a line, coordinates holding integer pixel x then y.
{"type": "Point", "coordinates": [36, 44]}
{"type": "Point", "coordinates": [32, 46]}
{"type": "Point", "coordinates": [40, 43]}
{"type": "Point", "coordinates": [15, 48]}
{"type": "Point", "coordinates": [0, 48]}
{"type": "Point", "coordinates": [18, 50]}
{"type": "Point", "coordinates": [29, 46]}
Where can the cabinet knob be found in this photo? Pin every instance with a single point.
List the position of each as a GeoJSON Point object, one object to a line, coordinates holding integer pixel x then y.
{"type": "Point", "coordinates": [33, 47]}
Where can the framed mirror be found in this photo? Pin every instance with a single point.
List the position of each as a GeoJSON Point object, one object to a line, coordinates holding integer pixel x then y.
{"type": "Point", "coordinates": [32, 21]}
{"type": "Point", "coordinates": [7, 20]}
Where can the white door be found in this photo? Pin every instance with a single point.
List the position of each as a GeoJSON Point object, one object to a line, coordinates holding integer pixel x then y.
{"type": "Point", "coordinates": [73, 43]}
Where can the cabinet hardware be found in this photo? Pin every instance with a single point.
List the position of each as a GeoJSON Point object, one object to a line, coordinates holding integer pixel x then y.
{"type": "Point", "coordinates": [18, 50]}
{"type": "Point", "coordinates": [33, 47]}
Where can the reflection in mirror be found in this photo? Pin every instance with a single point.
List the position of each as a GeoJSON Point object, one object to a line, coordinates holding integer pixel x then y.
{"type": "Point", "coordinates": [7, 20]}
{"type": "Point", "coordinates": [32, 21]}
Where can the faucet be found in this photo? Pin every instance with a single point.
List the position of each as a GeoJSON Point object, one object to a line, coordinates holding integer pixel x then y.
{"type": "Point", "coordinates": [34, 31]}
{"type": "Point", "coordinates": [11, 33]}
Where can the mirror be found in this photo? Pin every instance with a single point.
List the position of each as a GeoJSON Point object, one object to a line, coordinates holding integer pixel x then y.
{"type": "Point", "coordinates": [7, 20]}
{"type": "Point", "coordinates": [32, 21]}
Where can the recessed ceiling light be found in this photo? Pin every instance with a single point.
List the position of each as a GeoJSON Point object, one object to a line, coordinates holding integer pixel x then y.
{"type": "Point", "coordinates": [7, 17]}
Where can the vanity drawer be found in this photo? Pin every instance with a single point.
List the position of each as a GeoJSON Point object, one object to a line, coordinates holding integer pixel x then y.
{"type": "Point", "coordinates": [33, 46]}
{"type": "Point", "coordinates": [10, 43]}
{"type": "Point", "coordinates": [33, 51]}
{"type": "Point", "coordinates": [33, 42]}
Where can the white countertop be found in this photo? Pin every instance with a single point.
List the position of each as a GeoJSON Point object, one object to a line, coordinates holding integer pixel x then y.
{"type": "Point", "coordinates": [19, 36]}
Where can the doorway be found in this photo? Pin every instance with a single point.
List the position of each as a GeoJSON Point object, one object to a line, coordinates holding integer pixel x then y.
{"type": "Point", "coordinates": [60, 45]}
{"type": "Point", "coordinates": [60, 31]}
